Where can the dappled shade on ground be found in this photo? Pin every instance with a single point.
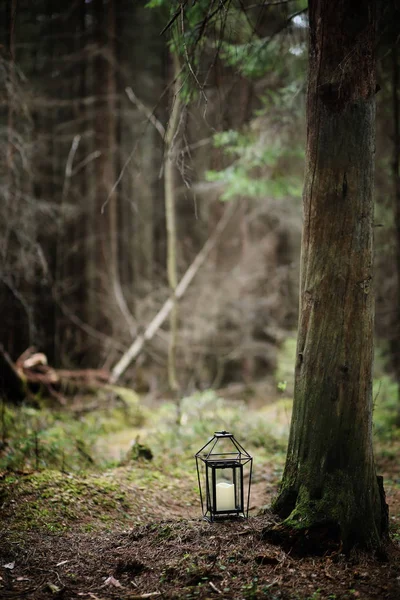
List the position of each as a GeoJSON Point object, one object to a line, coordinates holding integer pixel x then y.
{"type": "Point", "coordinates": [185, 559]}
{"type": "Point", "coordinates": [137, 530]}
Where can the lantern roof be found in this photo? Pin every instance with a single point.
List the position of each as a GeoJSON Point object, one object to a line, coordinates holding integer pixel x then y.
{"type": "Point", "coordinates": [223, 447]}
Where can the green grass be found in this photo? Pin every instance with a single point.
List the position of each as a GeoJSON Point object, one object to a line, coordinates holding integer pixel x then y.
{"type": "Point", "coordinates": [40, 437]}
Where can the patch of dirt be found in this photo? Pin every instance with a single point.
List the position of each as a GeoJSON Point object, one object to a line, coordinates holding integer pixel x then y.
{"type": "Point", "coordinates": [167, 551]}
{"type": "Point", "coordinates": [185, 559]}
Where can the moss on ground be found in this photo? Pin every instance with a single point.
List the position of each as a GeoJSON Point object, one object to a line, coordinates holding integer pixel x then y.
{"type": "Point", "coordinates": [54, 501]}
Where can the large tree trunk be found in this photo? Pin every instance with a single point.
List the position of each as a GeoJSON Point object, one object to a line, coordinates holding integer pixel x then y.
{"type": "Point", "coordinates": [329, 476]}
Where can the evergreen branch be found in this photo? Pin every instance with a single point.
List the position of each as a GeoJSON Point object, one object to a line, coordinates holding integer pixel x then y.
{"type": "Point", "coordinates": [173, 18]}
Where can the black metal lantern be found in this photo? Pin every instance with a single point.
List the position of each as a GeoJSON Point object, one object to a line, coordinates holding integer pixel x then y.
{"type": "Point", "coordinates": [223, 465]}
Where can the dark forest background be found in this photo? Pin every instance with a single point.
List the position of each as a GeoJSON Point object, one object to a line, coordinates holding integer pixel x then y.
{"type": "Point", "coordinates": [88, 90]}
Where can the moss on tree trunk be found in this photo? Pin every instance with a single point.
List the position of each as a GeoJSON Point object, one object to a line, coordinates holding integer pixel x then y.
{"type": "Point", "coordinates": [330, 474]}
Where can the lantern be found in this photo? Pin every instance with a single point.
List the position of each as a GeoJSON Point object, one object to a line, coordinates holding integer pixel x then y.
{"type": "Point", "coordinates": [224, 471]}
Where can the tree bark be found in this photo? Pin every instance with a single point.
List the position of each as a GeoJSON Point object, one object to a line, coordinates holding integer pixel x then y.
{"type": "Point", "coordinates": [142, 219]}
{"type": "Point", "coordinates": [329, 476]}
{"type": "Point", "coordinates": [104, 219]}
{"type": "Point", "coordinates": [395, 344]}
{"type": "Point", "coordinates": [170, 210]}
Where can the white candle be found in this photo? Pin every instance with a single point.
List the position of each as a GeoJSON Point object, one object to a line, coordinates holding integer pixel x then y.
{"type": "Point", "coordinates": [225, 494]}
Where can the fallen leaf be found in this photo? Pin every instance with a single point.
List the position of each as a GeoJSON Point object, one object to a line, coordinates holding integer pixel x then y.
{"type": "Point", "coordinates": [52, 587]}
{"type": "Point", "coordinates": [61, 563]}
{"type": "Point", "coordinates": [112, 581]}
{"type": "Point", "coordinates": [22, 578]}
{"type": "Point", "coordinates": [149, 595]}
{"type": "Point", "coordinates": [10, 565]}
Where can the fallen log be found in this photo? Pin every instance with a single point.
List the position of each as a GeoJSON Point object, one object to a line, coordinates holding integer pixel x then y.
{"type": "Point", "coordinates": [31, 373]}
{"type": "Point", "coordinates": [85, 375]}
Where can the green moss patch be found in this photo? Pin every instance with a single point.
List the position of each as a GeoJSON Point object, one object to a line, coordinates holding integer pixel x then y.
{"type": "Point", "coordinates": [55, 501]}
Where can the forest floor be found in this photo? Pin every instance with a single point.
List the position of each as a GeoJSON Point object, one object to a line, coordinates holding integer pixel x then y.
{"type": "Point", "coordinates": [134, 530]}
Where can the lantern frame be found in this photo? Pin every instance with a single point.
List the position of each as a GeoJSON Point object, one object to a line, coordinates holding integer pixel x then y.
{"type": "Point", "coordinates": [233, 466]}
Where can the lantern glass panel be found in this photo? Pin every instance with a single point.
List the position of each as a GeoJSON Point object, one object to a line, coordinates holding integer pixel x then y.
{"type": "Point", "coordinates": [224, 475]}
{"type": "Point", "coordinates": [225, 488]}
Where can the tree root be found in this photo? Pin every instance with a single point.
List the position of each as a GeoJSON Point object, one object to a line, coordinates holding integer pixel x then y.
{"type": "Point", "coordinates": [317, 540]}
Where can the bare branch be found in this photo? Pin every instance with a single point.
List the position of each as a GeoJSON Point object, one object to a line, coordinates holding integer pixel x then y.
{"type": "Point", "coordinates": [86, 161]}
{"type": "Point", "coordinates": [149, 114]}
{"type": "Point", "coordinates": [174, 17]}
{"type": "Point", "coordinates": [68, 166]}
{"type": "Point", "coordinates": [188, 60]}
{"type": "Point", "coordinates": [181, 288]}
{"type": "Point", "coordinates": [119, 178]}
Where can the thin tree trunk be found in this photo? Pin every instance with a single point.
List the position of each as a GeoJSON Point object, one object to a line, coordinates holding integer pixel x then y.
{"type": "Point", "coordinates": [114, 308]}
{"type": "Point", "coordinates": [82, 226]}
{"type": "Point", "coordinates": [105, 220]}
{"type": "Point", "coordinates": [170, 210]}
{"type": "Point", "coordinates": [10, 190]}
{"type": "Point", "coordinates": [396, 190]}
{"type": "Point", "coordinates": [329, 476]}
{"type": "Point", "coordinates": [11, 102]}
{"type": "Point", "coordinates": [111, 138]}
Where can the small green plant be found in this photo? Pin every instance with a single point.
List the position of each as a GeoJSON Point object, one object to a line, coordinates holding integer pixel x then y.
{"type": "Point", "coordinates": [249, 590]}
{"type": "Point", "coordinates": [386, 408]}
{"type": "Point", "coordinates": [316, 595]}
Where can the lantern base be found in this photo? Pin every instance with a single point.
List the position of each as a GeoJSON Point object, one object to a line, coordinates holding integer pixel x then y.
{"type": "Point", "coordinates": [224, 517]}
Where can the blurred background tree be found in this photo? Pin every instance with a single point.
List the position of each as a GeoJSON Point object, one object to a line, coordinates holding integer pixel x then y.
{"type": "Point", "coordinates": [83, 227]}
